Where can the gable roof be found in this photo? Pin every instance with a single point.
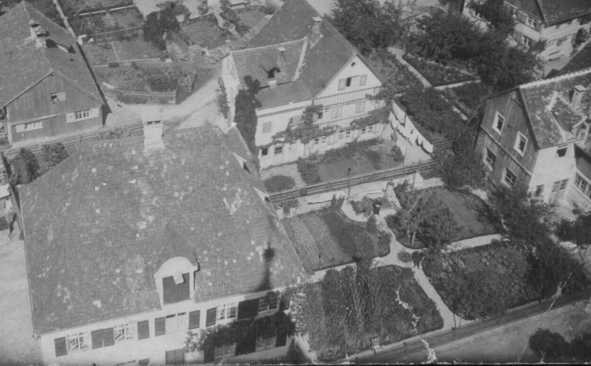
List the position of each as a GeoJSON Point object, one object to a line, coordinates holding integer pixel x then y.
{"type": "Point", "coordinates": [323, 59]}
{"type": "Point", "coordinates": [547, 106]}
{"type": "Point", "coordinates": [122, 213]}
{"type": "Point", "coordinates": [553, 11]}
{"type": "Point", "coordinates": [23, 64]}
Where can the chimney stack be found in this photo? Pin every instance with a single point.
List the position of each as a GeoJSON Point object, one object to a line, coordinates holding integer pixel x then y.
{"type": "Point", "coordinates": [38, 34]}
{"type": "Point", "coordinates": [153, 136]}
{"type": "Point", "coordinates": [316, 34]}
{"type": "Point", "coordinates": [272, 83]}
{"type": "Point", "coordinates": [578, 92]}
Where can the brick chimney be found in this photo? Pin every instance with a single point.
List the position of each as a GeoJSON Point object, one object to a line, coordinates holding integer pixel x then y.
{"type": "Point", "coordinates": [316, 34]}
{"type": "Point", "coordinates": [578, 93]}
{"type": "Point", "coordinates": [153, 136]}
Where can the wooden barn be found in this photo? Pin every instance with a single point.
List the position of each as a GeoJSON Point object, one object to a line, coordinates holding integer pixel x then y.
{"type": "Point", "coordinates": [47, 89]}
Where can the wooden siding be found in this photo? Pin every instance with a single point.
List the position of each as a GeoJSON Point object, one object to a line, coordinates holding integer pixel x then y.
{"type": "Point", "coordinates": [502, 145]}
{"type": "Point", "coordinates": [36, 103]}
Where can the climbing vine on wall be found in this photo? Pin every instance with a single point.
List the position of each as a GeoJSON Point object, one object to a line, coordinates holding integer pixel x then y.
{"type": "Point", "coordinates": [376, 116]}
{"type": "Point", "coordinates": [306, 130]}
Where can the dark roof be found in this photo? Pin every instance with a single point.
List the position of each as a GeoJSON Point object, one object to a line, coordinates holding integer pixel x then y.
{"type": "Point", "coordinates": [548, 106]}
{"type": "Point", "coordinates": [554, 11]}
{"type": "Point", "coordinates": [323, 59]}
{"type": "Point", "coordinates": [257, 62]}
{"type": "Point", "coordinates": [23, 64]}
{"type": "Point", "coordinates": [581, 61]}
{"type": "Point", "coordinates": [100, 224]}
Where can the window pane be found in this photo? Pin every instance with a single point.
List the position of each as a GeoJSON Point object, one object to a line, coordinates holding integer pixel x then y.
{"type": "Point", "coordinates": [194, 319]}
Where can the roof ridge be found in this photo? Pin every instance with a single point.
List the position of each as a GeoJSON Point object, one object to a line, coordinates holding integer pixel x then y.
{"type": "Point", "coordinates": [541, 10]}
{"type": "Point", "coordinates": [554, 79]}
{"type": "Point", "coordinates": [267, 46]}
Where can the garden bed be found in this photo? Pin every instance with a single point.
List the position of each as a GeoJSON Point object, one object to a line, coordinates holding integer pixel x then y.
{"type": "Point", "coordinates": [87, 6]}
{"type": "Point", "coordinates": [140, 78]}
{"type": "Point", "coordinates": [435, 73]}
{"type": "Point", "coordinates": [468, 97]}
{"type": "Point", "coordinates": [488, 279]}
{"type": "Point", "coordinates": [136, 49]}
{"type": "Point", "coordinates": [99, 54]}
{"type": "Point", "coordinates": [347, 309]}
{"type": "Point", "coordinates": [398, 77]}
{"type": "Point", "coordinates": [205, 32]}
{"type": "Point", "coordinates": [107, 22]}
{"type": "Point", "coordinates": [431, 114]}
{"type": "Point", "coordinates": [328, 238]}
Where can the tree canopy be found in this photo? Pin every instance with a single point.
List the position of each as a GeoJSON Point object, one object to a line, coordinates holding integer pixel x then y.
{"type": "Point", "coordinates": [158, 23]}
{"type": "Point", "coordinates": [495, 13]}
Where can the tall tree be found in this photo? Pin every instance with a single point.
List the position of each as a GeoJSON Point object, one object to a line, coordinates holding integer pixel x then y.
{"type": "Point", "coordinates": [417, 207]}
{"type": "Point", "coordinates": [577, 231]}
{"type": "Point", "coordinates": [495, 13]}
{"type": "Point", "coordinates": [370, 26]}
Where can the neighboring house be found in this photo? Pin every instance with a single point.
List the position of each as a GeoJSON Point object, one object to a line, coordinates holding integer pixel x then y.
{"type": "Point", "coordinates": [46, 87]}
{"type": "Point", "coordinates": [555, 21]}
{"type": "Point", "coordinates": [131, 243]}
{"type": "Point", "coordinates": [538, 134]}
{"type": "Point", "coordinates": [300, 60]}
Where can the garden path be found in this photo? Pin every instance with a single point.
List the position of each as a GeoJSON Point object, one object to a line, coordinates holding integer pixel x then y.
{"type": "Point", "coordinates": [398, 52]}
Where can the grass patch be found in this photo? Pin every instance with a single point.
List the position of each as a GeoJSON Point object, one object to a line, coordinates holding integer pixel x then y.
{"type": "Point", "coordinates": [398, 77]}
{"type": "Point", "coordinates": [99, 54]}
{"type": "Point", "coordinates": [435, 73]}
{"type": "Point", "coordinates": [205, 32]}
{"type": "Point", "coordinates": [136, 49]}
{"type": "Point", "coordinates": [279, 183]}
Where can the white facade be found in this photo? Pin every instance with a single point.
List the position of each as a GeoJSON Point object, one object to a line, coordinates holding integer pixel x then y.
{"type": "Point", "coordinates": [552, 173]}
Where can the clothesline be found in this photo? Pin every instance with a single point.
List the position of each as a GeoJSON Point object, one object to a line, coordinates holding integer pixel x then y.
{"type": "Point", "coordinates": [407, 130]}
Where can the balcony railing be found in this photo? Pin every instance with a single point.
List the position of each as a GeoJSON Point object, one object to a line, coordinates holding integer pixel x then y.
{"type": "Point", "coordinates": [346, 98]}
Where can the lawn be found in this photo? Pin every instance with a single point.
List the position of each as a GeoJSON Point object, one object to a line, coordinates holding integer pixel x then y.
{"type": "Point", "coordinates": [99, 54]}
{"type": "Point", "coordinates": [397, 75]}
{"type": "Point", "coordinates": [250, 18]}
{"type": "Point", "coordinates": [136, 49]}
{"type": "Point", "coordinates": [205, 32]}
{"type": "Point", "coordinates": [435, 73]}
{"type": "Point", "coordinates": [328, 238]}
{"type": "Point", "coordinates": [348, 308]}
{"type": "Point", "coordinates": [140, 78]}
{"type": "Point", "coordinates": [496, 277]}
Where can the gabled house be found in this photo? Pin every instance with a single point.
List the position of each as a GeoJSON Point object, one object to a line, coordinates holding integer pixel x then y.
{"type": "Point", "coordinates": [46, 87]}
{"type": "Point", "coordinates": [132, 243]}
{"type": "Point", "coordinates": [300, 60]}
{"type": "Point", "coordinates": [537, 134]}
{"type": "Point", "coordinates": [555, 21]}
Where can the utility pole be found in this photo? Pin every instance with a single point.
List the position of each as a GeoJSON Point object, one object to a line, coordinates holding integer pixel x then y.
{"type": "Point", "coordinates": [349, 182]}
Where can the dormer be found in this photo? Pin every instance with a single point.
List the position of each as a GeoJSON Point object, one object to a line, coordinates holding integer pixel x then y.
{"type": "Point", "coordinates": [175, 281]}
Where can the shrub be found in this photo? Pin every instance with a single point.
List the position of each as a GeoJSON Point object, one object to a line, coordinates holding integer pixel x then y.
{"type": "Point", "coordinates": [158, 23]}
{"type": "Point", "coordinates": [53, 154]}
{"type": "Point", "coordinates": [279, 183]}
{"type": "Point", "coordinates": [308, 170]}
{"type": "Point", "coordinates": [365, 206]}
{"type": "Point", "coordinates": [404, 257]}
{"type": "Point", "coordinates": [24, 167]}
{"type": "Point", "coordinates": [546, 343]}
{"type": "Point", "coordinates": [375, 158]}
{"type": "Point", "coordinates": [397, 154]}
{"type": "Point", "coordinates": [162, 80]}
{"type": "Point", "coordinates": [436, 74]}
{"type": "Point", "coordinates": [289, 204]}
{"type": "Point", "coordinates": [113, 64]}
{"type": "Point", "coordinates": [246, 118]}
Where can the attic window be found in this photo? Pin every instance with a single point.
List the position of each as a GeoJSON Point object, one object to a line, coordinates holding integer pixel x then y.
{"type": "Point", "coordinates": [242, 162]}
{"type": "Point", "coordinates": [353, 64]}
{"type": "Point", "coordinates": [58, 97]}
{"type": "Point", "coordinates": [561, 152]}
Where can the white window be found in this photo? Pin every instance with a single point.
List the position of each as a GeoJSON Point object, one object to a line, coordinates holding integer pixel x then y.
{"type": "Point", "coordinates": [363, 80]}
{"type": "Point", "coordinates": [278, 150]}
{"type": "Point", "coordinates": [83, 114]}
{"type": "Point", "coordinates": [267, 127]}
{"type": "Point", "coordinates": [176, 321]}
{"type": "Point", "coordinates": [336, 111]}
{"type": "Point", "coordinates": [369, 129]}
{"type": "Point", "coordinates": [341, 134]}
{"type": "Point", "coordinates": [499, 123]}
{"type": "Point", "coordinates": [124, 332]}
{"type": "Point", "coordinates": [342, 84]}
{"type": "Point", "coordinates": [520, 143]}
{"type": "Point", "coordinates": [26, 127]}
{"type": "Point", "coordinates": [268, 302]}
{"type": "Point", "coordinates": [224, 351]}
{"type": "Point", "coordinates": [227, 311]}
{"type": "Point", "coordinates": [583, 186]}
{"type": "Point", "coordinates": [527, 41]}
{"type": "Point", "coordinates": [509, 178]}
{"type": "Point", "coordinates": [348, 133]}
{"type": "Point", "coordinates": [78, 342]}
{"type": "Point", "coordinates": [265, 343]}
{"type": "Point", "coordinates": [360, 106]}
{"type": "Point", "coordinates": [323, 139]}
{"type": "Point", "coordinates": [490, 159]}
{"type": "Point", "coordinates": [532, 22]}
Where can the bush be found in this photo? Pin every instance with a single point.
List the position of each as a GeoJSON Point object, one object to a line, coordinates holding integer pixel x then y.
{"type": "Point", "coordinates": [288, 205]}
{"type": "Point", "coordinates": [246, 118]}
{"type": "Point", "coordinates": [24, 167]}
{"type": "Point", "coordinates": [397, 154]}
{"type": "Point", "coordinates": [158, 23]}
{"type": "Point", "coordinates": [375, 158]}
{"type": "Point", "coordinates": [53, 154]}
{"type": "Point", "coordinates": [435, 73]}
{"type": "Point", "coordinates": [548, 344]}
{"type": "Point", "coordinates": [404, 257]}
{"type": "Point", "coordinates": [365, 206]}
{"type": "Point", "coordinates": [162, 80]}
{"type": "Point", "coordinates": [279, 183]}
{"type": "Point", "coordinates": [113, 64]}
{"type": "Point", "coordinates": [308, 170]}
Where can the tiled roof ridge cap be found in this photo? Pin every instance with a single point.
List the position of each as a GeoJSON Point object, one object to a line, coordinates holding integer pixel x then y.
{"type": "Point", "coordinates": [268, 46]}
{"type": "Point", "coordinates": [554, 79]}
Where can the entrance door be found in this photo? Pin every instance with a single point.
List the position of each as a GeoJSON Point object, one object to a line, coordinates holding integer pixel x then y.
{"type": "Point", "coordinates": [175, 357]}
{"type": "Point", "coordinates": [558, 189]}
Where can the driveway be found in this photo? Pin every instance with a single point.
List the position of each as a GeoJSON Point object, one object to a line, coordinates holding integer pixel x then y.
{"type": "Point", "coordinates": [17, 345]}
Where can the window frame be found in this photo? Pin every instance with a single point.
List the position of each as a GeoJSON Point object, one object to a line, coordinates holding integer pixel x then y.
{"type": "Point", "coordinates": [506, 174]}
{"type": "Point", "coordinates": [517, 143]}
{"type": "Point", "coordinates": [496, 122]}
{"type": "Point", "coordinates": [225, 311]}
{"type": "Point", "coordinates": [267, 127]}
{"type": "Point", "coordinates": [78, 342]}
{"type": "Point", "coordinates": [265, 305]}
{"type": "Point", "coordinates": [360, 106]}
{"type": "Point", "coordinates": [278, 150]}
{"type": "Point", "coordinates": [124, 332]}
{"type": "Point", "coordinates": [267, 343]}
{"type": "Point", "coordinates": [227, 351]}
{"type": "Point", "coordinates": [486, 159]}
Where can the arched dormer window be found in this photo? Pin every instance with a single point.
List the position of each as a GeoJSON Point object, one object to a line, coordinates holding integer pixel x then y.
{"type": "Point", "coordinates": [175, 280]}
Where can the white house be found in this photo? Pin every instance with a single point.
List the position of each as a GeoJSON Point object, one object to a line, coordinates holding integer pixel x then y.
{"type": "Point", "coordinates": [132, 243]}
{"type": "Point", "coordinates": [299, 60]}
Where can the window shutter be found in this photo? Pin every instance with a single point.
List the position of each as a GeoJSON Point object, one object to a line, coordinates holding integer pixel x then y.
{"type": "Point", "coordinates": [61, 348]}
{"type": "Point", "coordinates": [183, 291]}
{"type": "Point", "coordinates": [248, 309]}
{"type": "Point", "coordinates": [169, 290]}
{"type": "Point", "coordinates": [194, 319]}
{"type": "Point", "coordinates": [97, 338]}
{"type": "Point", "coordinates": [363, 80]}
{"type": "Point", "coordinates": [211, 316]}
{"type": "Point", "coordinates": [70, 117]}
{"type": "Point", "coordinates": [342, 84]}
{"type": "Point", "coordinates": [143, 329]}
{"type": "Point", "coordinates": [159, 326]}
{"type": "Point", "coordinates": [208, 355]}
{"type": "Point", "coordinates": [108, 337]}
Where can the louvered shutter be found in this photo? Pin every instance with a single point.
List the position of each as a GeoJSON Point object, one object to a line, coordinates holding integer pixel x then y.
{"type": "Point", "coordinates": [145, 361]}
{"type": "Point", "coordinates": [183, 290]}
{"type": "Point", "coordinates": [169, 290]}
{"type": "Point", "coordinates": [93, 113]}
{"type": "Point", "coordinates": [194, 319]}
{"type": "Point", "coordinates": [248, 309]}
{"type": "Point", "coordinates": [143, 329]}
{"type": "Point", "coordinates": [159, 326]}
{"type": "Point", "coordinates": [342, 84]}
{"type": "Point", "coordinates": [210, 319]}
{"type": "Point", "coordinates": [538, 25]}
{"type": "Point", "coordinates": [108, 337]}
{"type": "Point", "coordinates": [363, 80]}
{"type": "Point", "coordinates": [522, 17]}
{"type": "Point", "coordinates": [61, 348]}
{"type": "Point", "coordinates": [97, 338]}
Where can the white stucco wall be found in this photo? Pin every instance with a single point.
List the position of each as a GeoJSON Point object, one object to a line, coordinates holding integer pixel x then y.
{"type": "Point", "coordinates": [359, 68]}
{"type": "Point", "coordinates": [550, 168]}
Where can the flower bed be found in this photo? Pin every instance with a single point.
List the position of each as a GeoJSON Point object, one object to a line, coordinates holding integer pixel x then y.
{"type": "Point", "coordinates": [435, 73]}
{"type": "Point", "coordinates": [106, 22]}
{"type": "Point", "coordinates": [138, 78]}
{"type": "Point", "coordinates": [136, 49]}
{"type": "Point", "coordinates": [327, 238]}
{"type": "Point", "coordinates": [468, 97]}
{"type": "Point", "coordinates": [398, 77]}
{"type": "Point", "coordinates": [205, 32]}
{"type": "Point", "coordinates": [343, 312]}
